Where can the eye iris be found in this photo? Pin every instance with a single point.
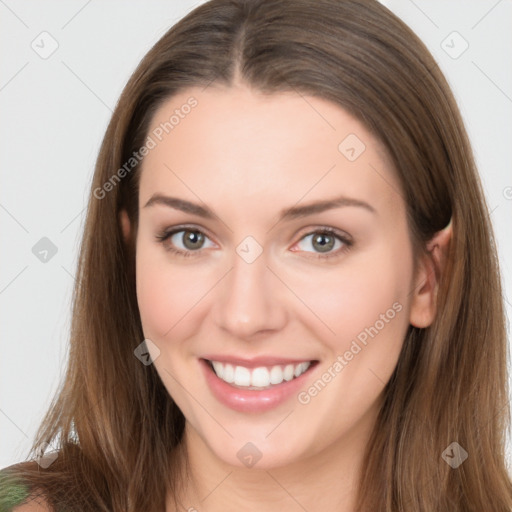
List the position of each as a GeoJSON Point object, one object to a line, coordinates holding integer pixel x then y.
{"type": "Point", "coordinates": [324, 246]}
{"type": "Point", "coordinates": [193, 237]}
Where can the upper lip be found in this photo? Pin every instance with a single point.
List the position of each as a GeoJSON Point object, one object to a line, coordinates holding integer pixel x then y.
{"type": "Point", "coordinates": [256, 362]}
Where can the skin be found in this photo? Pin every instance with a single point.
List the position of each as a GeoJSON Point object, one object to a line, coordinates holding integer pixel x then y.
{"type": "Point", "coordinates": [247, 156]}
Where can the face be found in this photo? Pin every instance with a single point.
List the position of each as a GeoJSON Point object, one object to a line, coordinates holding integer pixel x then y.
{"type": "Point", "coordinates": [303, 309]}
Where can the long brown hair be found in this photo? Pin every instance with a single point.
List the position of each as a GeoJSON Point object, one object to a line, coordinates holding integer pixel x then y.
{"type": "Point", "coordinates": [113, 421]}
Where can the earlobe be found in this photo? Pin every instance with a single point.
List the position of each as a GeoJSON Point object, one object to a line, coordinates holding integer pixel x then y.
{"type": "Point", "coordinates": [430, 269]}
{"type": "Point", "coordinates": [124, 222]}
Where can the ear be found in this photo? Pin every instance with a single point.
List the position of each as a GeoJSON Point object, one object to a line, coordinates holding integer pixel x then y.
{"type": "Point", "coordinates": [428, 275]}
{"type": "Point", "coordinates": [125, 224]}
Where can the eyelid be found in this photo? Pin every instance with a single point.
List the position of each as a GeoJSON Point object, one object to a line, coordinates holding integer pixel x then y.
{"type": "Point", "coordinates": [324, 229]}
{"type": "Point", "coordinates": [183, 227]}
{"type": "Point", "coordinates": [342, 236]}
{"type": "Point", "coordinates": [165, 234]}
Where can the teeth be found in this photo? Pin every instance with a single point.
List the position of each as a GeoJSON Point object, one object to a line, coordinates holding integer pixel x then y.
{"type": "Point", "coordinates": [261, 377]}
{"type": "Point", "coordinates": [242, 376]}
{"type": "Point", "coordinates": [229, 373]}
{"type": "Point", "coordinates": [219, 369]}
{"type": "Point", "coordinates": [288, 372]}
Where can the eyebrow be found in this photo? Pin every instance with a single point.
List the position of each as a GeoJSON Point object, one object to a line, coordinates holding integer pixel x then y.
{"type": "Point", "coordinates": [291, 213]}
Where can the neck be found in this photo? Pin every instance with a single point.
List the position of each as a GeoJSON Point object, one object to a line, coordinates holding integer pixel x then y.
{"type": "Point", "coordinates": [327, 480]}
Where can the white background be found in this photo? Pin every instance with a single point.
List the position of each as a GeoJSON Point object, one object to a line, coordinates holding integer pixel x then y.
{"type": "Point", "coordinates": [55, 112]}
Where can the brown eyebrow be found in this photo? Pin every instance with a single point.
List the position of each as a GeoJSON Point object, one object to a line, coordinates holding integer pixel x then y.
{"type": "Point", "coordinates": [286, 214]}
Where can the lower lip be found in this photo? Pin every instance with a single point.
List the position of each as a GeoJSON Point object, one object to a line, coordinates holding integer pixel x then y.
{"type": "Point", "coordinates": [252, 400]}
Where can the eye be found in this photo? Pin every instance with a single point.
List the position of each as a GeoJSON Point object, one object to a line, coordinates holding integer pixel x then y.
{"type": "Point", "coordinates": [324, 240]}
{"type": "Point", "coordinates": [188, 241]}
{"type": "Point", "coordinates": [191, 239]}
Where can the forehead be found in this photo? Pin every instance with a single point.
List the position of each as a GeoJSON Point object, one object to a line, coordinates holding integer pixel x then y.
{"type": "Point", "coordinates": [237, 143]}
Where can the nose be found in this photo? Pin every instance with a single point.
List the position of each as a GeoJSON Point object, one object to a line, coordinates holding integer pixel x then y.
{"type": "Point", "coordinates": [250, 299]}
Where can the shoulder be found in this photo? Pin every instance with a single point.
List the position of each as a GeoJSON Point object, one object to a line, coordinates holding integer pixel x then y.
{"type": "Point", "coordinates": [15, 494]}
{"type": "Point", "coordinates": [38, 505]}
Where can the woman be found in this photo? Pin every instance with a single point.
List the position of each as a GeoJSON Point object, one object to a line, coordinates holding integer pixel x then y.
{"type": "Point", "coordinates": [288, 292]}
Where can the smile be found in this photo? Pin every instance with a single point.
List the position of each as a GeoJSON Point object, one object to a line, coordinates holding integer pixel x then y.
{"type": "Point", "coordinates": [258, 378]}
{"type": "Point", "coordinates": [256, 387]}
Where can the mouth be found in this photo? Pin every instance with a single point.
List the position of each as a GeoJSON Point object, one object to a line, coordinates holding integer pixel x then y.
{"type": "Point", "coordinates": [260, 377]}
{"type": "Point", "coordinates": [254, 387]}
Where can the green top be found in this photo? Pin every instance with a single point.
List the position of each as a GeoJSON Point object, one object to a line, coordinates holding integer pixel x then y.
{"type": "Point", "coordinates": [13, 492]}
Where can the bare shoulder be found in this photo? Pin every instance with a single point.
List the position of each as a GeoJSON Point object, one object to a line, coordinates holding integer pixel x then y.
{"type": "Point", "coordinates": [37, 505]}
{"type": "Point", "coordinates": [15, 495]}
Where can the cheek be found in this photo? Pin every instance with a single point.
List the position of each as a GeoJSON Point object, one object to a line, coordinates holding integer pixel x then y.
{"type": "Point", "coordinates": [379, 323]}
{"type": "Point", "coordinates": [159, 292]}
{"type": "Point", "coordinates": [154, 299]}
{"type": "Point", "coordinates": [366, 301]}
{"type": "Point", "coordinates": [167, 293]}
{"type": "Point", "coordinates": [365, 304]}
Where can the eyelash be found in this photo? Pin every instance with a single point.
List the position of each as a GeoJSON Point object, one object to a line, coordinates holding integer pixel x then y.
{"type": "Point", "coordinates": [324, 230]}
